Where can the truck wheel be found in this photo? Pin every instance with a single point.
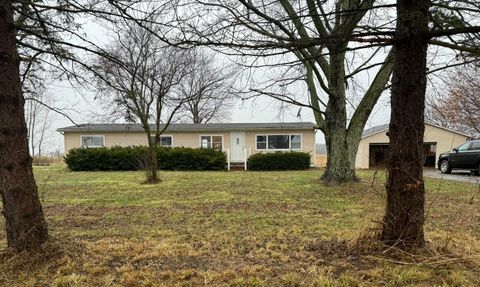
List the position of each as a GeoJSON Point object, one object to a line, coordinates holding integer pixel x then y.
{"type": "Point", "coordinates": [445, 167]}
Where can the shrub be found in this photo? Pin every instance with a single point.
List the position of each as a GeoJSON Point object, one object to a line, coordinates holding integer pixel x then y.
{"type": "Point", "coordinates": [133, 158]}
{"type": "Point", "coordinates": [279, 161]}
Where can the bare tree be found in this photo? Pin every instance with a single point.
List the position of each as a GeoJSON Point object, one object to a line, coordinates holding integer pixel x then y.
{"type": "Point", "coordinates": [312, 42]}
{"type": "Point", "coordinates": [329, 45]}
{"type": "Point", "coordinates": [208, 88]}
{"type": "Point", "coordinates": [38, 118]}
{"type": "Point", "coordinates": [25, 224]}
{"type": "Point", "coordinates": [459, 106]}
{"type": "Point", "coordinates": [142, 84]}
{"type": "Point", "coordinates": [40, 35]}
{"type": "Point", "coordinates": [46, 33]}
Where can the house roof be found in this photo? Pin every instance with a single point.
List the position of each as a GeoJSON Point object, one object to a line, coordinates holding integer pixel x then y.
{"type": "Point", "coordinates": [210, 127]}
{"type": "Point", "coordinates": [383, 128]}
{"type": "Point", "coordinates": [374, 130]}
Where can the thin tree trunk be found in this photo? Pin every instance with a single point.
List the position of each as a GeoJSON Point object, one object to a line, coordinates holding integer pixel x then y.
{"type": "Point", "coordinates": [151, 162]}
{"type": "Point", "coordinates": [404, 216]}
{"type": "Point", "coordinates": [31, 125]}
{"type": "Point", "coordinates": [24, 221]}
{"type": "Point", "coordinates": [42, 133]}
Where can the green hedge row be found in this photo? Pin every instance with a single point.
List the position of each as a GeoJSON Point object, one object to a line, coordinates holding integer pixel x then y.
{"type": "Point", "coordinates": [279, 161]}
{"type": "Point", "coordinates": [133, 158]}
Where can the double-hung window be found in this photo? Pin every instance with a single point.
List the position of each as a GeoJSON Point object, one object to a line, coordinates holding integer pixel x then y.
{"type": "Point", "coordinates": [215, 142]}
{"type": "Point", "coordinates": [279, 142]}
{"type": "Point", "coordinates": [166, 141]}
{"type": "Point", "coordinates": [92, 141]}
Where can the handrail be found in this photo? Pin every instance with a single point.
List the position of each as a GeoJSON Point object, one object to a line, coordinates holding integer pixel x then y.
{"type": "Point", "coordinates": [246, 156]}
{"type": "Point", "coordinates": [228, 159]}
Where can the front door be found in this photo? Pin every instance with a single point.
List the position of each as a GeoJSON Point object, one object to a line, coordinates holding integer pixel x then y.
{"type": "Point", "coordinates": [237, 147]}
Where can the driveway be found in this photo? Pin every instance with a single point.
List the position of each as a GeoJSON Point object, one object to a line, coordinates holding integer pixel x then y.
{"type": "Point", "coordinates": [457, 175]}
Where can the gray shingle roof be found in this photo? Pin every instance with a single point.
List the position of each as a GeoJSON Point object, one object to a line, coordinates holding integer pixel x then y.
{"type": "Point", "coordinates": [374, 130]}
{"type": "Point", "coordinates": [211, 127]}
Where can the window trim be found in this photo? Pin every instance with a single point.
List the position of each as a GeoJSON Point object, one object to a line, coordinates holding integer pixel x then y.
{"type": "Point", "coordinates": [165, 135]}
{"type": "Point", "coordinates": [81, 141]}
{"type": "Point", "coordinates": [280, 134]}
{"type": "Point", "coordinates": [211, 139]}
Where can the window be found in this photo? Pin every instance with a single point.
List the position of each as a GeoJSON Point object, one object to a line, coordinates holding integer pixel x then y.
{"type": "Point", "coordinates": [279, 142]}
{"type": "Point", "coordinates": [215, 142]}
{"type": "Point", "coordinates": [295, 142]}
{"type": "Point", "coordinates": [92, 141]}
{"type": "Point", "coordinates": [463, 147]}
{"type": "Point", "coordinates": [261, 142]}
{"type": "Point", "coordinates": [475, 145]}
{"type": "Point", "coordinates": [164, 141]}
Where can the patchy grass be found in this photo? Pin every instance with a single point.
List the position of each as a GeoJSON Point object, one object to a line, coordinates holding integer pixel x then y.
{"type": "Point", "coordinates": [239, 229]}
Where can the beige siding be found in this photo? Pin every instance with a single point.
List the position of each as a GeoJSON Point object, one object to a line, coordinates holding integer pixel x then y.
{"type": "Point", "coordinates": [308, 141]}
{"type": "Point", "coordinates": [72, 139]}
{"type": "Point", "coordinates": [445, 140]}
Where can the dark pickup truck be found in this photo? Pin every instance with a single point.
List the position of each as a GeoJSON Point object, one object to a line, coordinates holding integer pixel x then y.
{"type": "Point", "coordinates": [466, 156]}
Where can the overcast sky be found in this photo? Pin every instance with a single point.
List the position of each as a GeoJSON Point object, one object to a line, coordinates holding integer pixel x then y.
{"type": "Point", "coordinates": [80, 105]}
{"type": "Point", "coordinates": [82, 108]}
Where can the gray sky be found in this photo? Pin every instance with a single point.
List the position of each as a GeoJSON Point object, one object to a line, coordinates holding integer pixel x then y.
{"type": "Point", "coordinates": [82, 108]}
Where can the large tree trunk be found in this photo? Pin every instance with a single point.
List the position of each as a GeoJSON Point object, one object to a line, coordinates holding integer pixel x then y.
{"type": "Point", "coordinates": [404, 217]}
{"type": "Point", "coordinates": [341, 154]}
{"type": "Point", "coordinates": [24, 221]}
{"type": "Point", "coordinates": [340, 160]}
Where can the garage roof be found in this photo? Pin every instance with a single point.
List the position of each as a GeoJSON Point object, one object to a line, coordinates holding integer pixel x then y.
{"type": "Point", "coordinates": [383, 128]}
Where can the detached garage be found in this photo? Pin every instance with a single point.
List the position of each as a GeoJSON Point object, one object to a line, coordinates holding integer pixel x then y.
{"type": "Point", "coordinates": [373, 147]}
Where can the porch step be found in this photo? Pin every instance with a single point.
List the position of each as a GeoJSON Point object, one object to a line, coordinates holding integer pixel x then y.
{"type": "Point", "coordinates": [237, 166]}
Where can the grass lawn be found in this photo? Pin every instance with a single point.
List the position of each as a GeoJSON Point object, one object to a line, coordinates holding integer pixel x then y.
{"type": "Point", "coordinates": [239, 229]}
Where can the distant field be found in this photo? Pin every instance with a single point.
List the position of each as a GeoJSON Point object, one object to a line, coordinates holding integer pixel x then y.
{"type": "Point", "coordinates": [239, 229]}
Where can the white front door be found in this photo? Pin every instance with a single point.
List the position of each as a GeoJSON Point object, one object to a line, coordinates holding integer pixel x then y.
{"type": "Point", "coordinates": [237, 147]}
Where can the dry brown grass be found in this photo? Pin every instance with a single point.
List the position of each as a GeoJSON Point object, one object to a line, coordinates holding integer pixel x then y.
{"type": "Point", "coordinates": [240, 229]}
{"type": "Point", "coordinates": [320, 160]}
{"type": "Point", "coordinates": [46, 161]}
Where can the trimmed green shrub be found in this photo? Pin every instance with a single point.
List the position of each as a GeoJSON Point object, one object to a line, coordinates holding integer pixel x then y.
{"type": "Point", "coordinates": [133, 158]}
{"type": "Point", "coordinates": [279, 161]}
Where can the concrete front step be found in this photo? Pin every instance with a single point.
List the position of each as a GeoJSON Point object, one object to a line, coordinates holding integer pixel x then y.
{"type": "Point", "coordinates": [237, 166]}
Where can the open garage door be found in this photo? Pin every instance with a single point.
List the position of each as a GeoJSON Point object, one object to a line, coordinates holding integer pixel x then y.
{"type": "Point", "coordinates": [378, 154]}
{"type": "Point", "coordinates": [430, 154]}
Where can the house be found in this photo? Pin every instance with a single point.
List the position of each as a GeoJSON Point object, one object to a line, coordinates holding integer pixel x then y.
{"type": "Point", "coordinates": [238, 140]}
{"type": "Point", "coordinates": [373, 146]}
